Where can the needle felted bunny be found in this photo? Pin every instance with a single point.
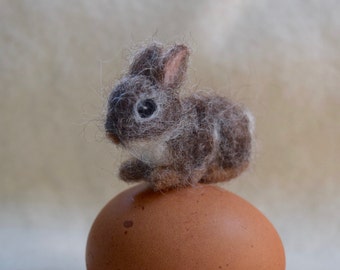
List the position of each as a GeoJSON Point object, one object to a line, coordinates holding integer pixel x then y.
{"type": "Point", "coordinates": [175, 141]}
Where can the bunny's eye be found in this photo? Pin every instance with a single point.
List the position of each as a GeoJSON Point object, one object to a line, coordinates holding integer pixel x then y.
{"type": "Point", "coordinates": [146, 108]}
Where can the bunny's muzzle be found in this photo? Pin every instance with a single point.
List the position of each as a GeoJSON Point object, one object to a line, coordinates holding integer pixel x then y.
{"type": "Point", "coordinates": [109, 131]}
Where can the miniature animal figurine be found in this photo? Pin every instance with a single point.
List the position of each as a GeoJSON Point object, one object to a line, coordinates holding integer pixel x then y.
{"type": "Point", "coordinates": [175, 141]}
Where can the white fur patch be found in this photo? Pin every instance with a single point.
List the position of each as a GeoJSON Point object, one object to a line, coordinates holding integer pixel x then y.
{"type": "Point", "coordinates": [152, 151]}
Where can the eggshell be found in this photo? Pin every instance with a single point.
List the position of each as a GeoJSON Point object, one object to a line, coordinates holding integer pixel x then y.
{"type": "Point", "coordinates": [202, 227]}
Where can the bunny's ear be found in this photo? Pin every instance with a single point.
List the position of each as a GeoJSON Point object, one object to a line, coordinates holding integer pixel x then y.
{"type": "Point", "coordinates": [174, 65]}
{"type": "Point", "coordinates": [148, 63]}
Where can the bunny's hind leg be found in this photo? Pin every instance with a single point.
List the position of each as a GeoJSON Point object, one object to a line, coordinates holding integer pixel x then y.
{"type": "Point", "coordinates": [134, 170]}
{"type": "Point", "coordinates": [165, 178]}
{"type": "Point", "coordinates": [217, 174]}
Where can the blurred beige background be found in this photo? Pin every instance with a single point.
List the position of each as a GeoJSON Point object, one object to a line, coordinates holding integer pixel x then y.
{"type": "Point", "coordinates": [58, 61]}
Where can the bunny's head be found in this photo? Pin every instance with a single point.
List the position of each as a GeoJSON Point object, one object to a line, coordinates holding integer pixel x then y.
{"type": "Point", "coordinates": [145, 103]}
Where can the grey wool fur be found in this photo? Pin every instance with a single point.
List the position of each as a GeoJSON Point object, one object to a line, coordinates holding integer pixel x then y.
{"type": "Point", "coordinates": [175, 141]}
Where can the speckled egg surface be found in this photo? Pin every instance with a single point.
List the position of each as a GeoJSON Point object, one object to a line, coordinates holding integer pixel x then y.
{"type": "Point", "coordinates": [202, 227]}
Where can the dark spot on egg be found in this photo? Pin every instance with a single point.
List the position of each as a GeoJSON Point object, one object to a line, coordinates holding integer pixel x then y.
{"type": "Point", "coordinates": [128, 223]}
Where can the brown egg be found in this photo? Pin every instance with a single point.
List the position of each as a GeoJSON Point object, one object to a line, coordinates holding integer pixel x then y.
{"type": "Point", "coordinates": [202, 227]}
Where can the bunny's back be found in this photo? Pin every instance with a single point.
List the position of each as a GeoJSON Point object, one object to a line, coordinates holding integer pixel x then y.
{"type": "Point", "coordinates": [215, 134]}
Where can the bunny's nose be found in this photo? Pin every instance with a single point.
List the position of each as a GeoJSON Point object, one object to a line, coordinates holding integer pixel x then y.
{"type": "Point", "coordinates": [112, 137]}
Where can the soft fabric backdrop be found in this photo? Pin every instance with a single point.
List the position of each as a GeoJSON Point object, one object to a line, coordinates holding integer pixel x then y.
{"type": "Point", "coordinates": [58, 61]}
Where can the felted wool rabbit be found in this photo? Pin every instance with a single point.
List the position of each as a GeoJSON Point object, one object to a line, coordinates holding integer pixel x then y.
{"type": "Point", "coordinates": [175, 141]}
